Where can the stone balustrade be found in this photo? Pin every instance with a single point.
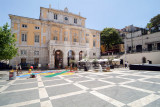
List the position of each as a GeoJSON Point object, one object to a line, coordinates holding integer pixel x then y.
{"type": "Point", "coordinates": [67, 43]}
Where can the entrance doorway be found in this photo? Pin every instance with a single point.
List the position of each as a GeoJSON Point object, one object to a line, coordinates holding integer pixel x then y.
{"type": "Point", "coordinates": [58, 59]}
{"type": "Point", "coordinates": [80, 55]}
{"type": "Point", "coordinates": [139, 48]}
{"type": "Point", "coordinates": [70, 57]}
{"type": "Point", "coordinates": [149, 47]}
{"type": "Point", "coordinates": [144, 60]}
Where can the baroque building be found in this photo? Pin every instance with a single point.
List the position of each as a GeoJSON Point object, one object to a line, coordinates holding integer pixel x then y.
{"type": "Point", "coordinates": [55, 38]}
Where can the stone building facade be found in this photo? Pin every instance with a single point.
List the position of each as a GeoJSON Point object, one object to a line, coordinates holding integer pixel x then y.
{"type": "Point", "coordinates": [142, 43]}
{"type": "Point", "coordinates": [55, 38]}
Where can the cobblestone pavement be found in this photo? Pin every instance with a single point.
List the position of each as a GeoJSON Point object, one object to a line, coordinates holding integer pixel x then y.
{"type": "Point", "coordinates": [119, 88]}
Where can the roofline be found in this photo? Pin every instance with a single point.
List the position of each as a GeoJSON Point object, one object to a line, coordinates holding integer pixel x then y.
{"type": "Point", "coordinates": [64, 12]}
{"type": "Point", "coordinates": [10, 15]}
{"type": "Point", "coordinates": [93, 29]}
{"type": "Point", "coordinates": [24, 17]}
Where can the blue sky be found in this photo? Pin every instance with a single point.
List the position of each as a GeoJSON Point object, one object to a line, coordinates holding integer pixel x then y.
{"type": "Point", "coordinates": [99, 13]}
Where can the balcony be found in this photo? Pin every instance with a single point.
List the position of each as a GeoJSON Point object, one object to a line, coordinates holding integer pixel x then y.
{"type": "Point", "coordinates": [67, 43]}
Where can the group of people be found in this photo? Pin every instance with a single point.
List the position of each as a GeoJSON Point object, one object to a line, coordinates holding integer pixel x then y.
{"type": "Point", "coordinates": [126, 64]}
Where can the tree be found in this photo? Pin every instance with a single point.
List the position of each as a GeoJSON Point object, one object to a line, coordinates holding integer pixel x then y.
{"type": "Point", "coordinates": [155, 21]}
{"type": "Point", "coordinates": [7, 43]}
{"type": "Point", "coordinates": [110, 37]}
{"type": "Point", "coordinates": [149, 26]}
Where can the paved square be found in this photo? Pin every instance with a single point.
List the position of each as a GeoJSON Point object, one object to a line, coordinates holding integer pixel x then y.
{"type": "Point", "coordinates": [119, 88]}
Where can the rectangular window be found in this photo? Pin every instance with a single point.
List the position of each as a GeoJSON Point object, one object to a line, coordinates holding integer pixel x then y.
{"type": "Point", "coordinates": [87, 41]}
{"type": "Point", "coordinates": [36, 27]}
{"type": "Point", "coordinates": [94, 54]}
{"type": "Point", "coordinates": [36, 60]}
{"type": "Point", "coordinates": [87, 34]}
{"type": "Point", "coordinates": [55, 16]}
{"type": "Point", "coordinates": [94, 43]}
{"type": "Point", "coordinates": [75, 20]}
{"type": "Point", "coordinates": [23, 60]}
{"type": "Point", "coordinates": [55, 38]}
{"type": "Point", "coordinates": [36, 38]}
{"type": "Point", "coordinates": [23, 52]}
{"type": "Point", "coordinates": [24, 25]}
{"type": "Point", "coordinates": [65, 39]}
{"type": "Point", "coordinates": [36, 52]}
{"type": "Point", "coordinates": [75, 40]}
{"type": "Point", "coordinates": [24, 37]}
{"type": "Point", "coordinates": [94, 35]}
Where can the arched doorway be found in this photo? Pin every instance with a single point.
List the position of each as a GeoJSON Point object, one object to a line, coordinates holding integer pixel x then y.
{"type": "Point", "coordinates": [144, 60]}
{"type": "Point", "coordinates": [80, 55]}
{"type": "Point", "coordinates": [58, 59]}
{"type": "Point", "coordinates": [71, 56]}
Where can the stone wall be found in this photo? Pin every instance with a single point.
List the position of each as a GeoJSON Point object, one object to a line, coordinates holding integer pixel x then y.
{"type": "Point", "coordinates": [136, 58]}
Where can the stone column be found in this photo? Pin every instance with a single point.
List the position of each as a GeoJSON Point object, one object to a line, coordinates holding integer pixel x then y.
{"type": "Point", "coordinates": [76, 55]}
{"type": "Point", "coordinates": [60, 34]}
{"type": "Point", "coordinates": [65, 59]}
{"type": "Point", "coordinates": [70, 35]}
{"type": "Point", "coordinates": [51, 58]}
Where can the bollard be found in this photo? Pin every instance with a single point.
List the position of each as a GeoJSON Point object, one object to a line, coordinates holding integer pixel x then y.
{"type": "Point", "coordinates": [29, 71]}
{"type": "Point", "coordinates": [12, 75]}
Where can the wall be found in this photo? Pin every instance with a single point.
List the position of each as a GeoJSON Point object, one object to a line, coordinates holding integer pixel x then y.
{"type": "Point", "coordinates": [136, 58]}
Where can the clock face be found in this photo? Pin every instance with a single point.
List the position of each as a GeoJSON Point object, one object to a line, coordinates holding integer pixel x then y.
{"type": "Point", "coordinates": [66, 18]}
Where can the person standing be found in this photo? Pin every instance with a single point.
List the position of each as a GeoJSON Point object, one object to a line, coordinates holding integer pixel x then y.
{"type": "Point", "coordinates": [17, 69]}
{"type": "Point", "coordinates": [125, 64]}
{"type": "Point", "coordinates": [20, 68]}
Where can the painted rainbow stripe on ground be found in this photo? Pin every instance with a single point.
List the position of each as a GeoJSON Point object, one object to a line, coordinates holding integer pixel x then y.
{"type": "Point", "coordinates": [49, 73]}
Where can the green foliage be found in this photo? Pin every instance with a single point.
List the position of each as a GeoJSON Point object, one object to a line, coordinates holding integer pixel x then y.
{"type": "Point", "coordinates": [155, 21]}
{"type": "Point", "coordinates": [110, 36]}
{"type": "Point", "coordinates": [149, 25]}
{"type": "Point", "coordinates": [7, 43]}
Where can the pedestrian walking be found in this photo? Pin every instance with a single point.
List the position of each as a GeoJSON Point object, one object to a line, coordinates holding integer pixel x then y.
{"type": "Point", "coordinates": [125, 64]}
{"type": "Point", "coordinates": [20, 68]}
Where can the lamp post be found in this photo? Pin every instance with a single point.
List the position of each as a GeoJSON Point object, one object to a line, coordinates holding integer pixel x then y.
{"type": "Point", "coordinates": [131, 43]}
{"type": "Point", "coordinates": [125, 48]}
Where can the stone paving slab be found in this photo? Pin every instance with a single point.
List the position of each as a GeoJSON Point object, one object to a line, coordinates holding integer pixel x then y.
{"type": "Point", "coordinates": [98, 76]}
{"type": "Point", "coordinates": [82, 100]}
{"type": "Point", "coordinates": [79, 79]}
{"type": "Point", "coordinates": [58, 90]}
{"type": "Point", "coordinates": [54, 82]}
{"type": "Point", "coordinates": [49, 78]}
{"type": "Point", "coordinates": [21, 86]}
{"type": "Point", "coordinates": [132, 77]}
{"type": "Point", "coordinates": [25, 80]}
{"type": "Point", "coordinates": [32, 105]}
{"type": "Point", "coordinates": [145, 85]}
{"type": "Point", "coordinates": [3, 83]}
{"type": "Point", "coordinates": [94, 84]}
{"type": "Point", "coordinates": [116, 80]}
{"type": "Point", "coordinates": [154, 104]}
{"type": "Point", "coordinates": [122, 94]}
{"type": "Point", "coordinates": [153, 80]}
{"type": "Point", "coordinates": [15, 97]}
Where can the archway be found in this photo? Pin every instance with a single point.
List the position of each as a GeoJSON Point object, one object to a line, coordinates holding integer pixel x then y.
{"type": "Point", "coordinates": [80, 55]}
{"type": "Point", "coordinates": [71, 56]}
{"type": "Point", "coordinates": [58, 59]}
{"type": "Point", "coordinates": [144, 60]}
